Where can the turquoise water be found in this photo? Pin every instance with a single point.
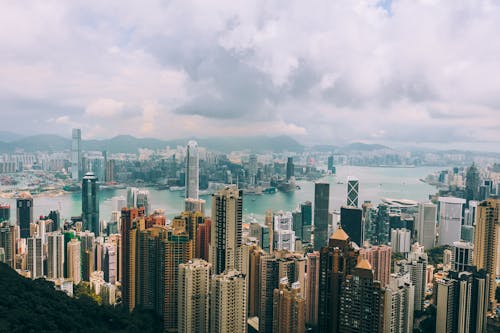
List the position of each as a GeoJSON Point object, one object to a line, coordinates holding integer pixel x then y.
{"type": "Point", "coordinates": [374, 183]}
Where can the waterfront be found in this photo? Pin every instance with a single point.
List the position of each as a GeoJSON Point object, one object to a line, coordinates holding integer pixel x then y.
{"type": "Point", "coordinates": [375, 183]}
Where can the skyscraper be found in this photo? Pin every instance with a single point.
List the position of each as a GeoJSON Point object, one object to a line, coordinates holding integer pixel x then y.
{"type": "Point", "coordinates": [321, 205]}
{"type": "Point", "coordinates": [76, 154]}
{"type": "Point", "coordinates": [307, 218]}
{"type": "Point", "coordinates": [351, 219]}
{"type": "Point", "coordinates": [472, 180]}
{"type": "Point", "coordinates": [290, 168]}
{"type": "Point", "coordinates": [226, 229]}
{"type": "Point", "coordinates": [192, 170]}
{"type": "Point", "coordinates": [461, 256]}
{"type": "Point", "coordinates": [450, 219]}
{"type": "Point", "coordinates": [4, 212]}
{"type": "Point", "coordinates": [399, 302]}
{"type": "Point", "coordinates": [74, 261]}
{"type": "Point", "coordinates": [8, 234]}
{"type": "Point", "coordinates": [24, 210]}
{"type": "Point", "coordinates": [35, 257]}
{"type": "Point", "coordinates": [416, 266]}
{"type": "Point", "coordinates": [90, 204]}
{"type": "Point", "coordinates": [288, 308]}
{"type": "Point", "coordinates": [352, 191]}
{"type": "Point", "coordinates": [55, 256]}
{"type": "Point", "coordinates": [312, 289]}
{"type": "Point", "coordinates": [425, 224]}
{"type": "Point", "coordinates": [194, 288]}
{"type": "Point", "coordinates": [202, 249]}
{"type": "Point", "coordinates": [284, 236]}
{"type": "Point", "coordinates": [486, 242]}
{"type": "Point", "coordinates": [138, 198]}
{"type": "Point", "coordinates": [400, 240]}
{"type": "Point", "coordinates": [228, 303]}
{"type": "Point", "coordinates": [379, 258]}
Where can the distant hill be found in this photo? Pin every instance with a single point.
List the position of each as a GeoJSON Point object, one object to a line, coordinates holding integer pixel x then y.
{"type": "Point", "coordinates": [35, 306]}
{"type": "Point", "coordinates": [130, 144]}
{"type": "Point", "coordinates": [7, 136]}
{"type": "Point", "coordinates": [358, 146]}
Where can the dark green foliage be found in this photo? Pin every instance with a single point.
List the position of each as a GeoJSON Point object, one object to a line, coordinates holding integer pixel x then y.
{"type": "Point", "coordinates": [35, 306]}
{"type": "Point", "coordinates": [435, 255]}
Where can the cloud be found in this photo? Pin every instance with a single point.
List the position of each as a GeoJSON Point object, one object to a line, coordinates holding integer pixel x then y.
{"type": "Point", "coordinates": [325, 72]}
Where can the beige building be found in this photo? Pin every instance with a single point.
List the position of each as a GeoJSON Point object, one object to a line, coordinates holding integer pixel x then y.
{"type": "Point", "coordinates": [228, 303]}
{"type": "Point", "coordinates": [288, 308]}
{"type": "Point", "coordinates": [194, 287]}
{"type": "Point", "coordinates": [74, 261]}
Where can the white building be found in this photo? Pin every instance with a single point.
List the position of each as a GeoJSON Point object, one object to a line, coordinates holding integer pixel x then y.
{"type": "Point", "coordinates": [35, 257]}
{"type": "Point", "coordinates": [400, 240]}
{"type": "Point", "coordinates": [55, 256]}
{"type": "Point", "coordinates": [399, 304]}
{"type": "Point", "coordinates": [425, 224]}
{"type": "Point", "coordinates": [284, 236]}
{"type": "Point", "coordinates": [192, 170]}
{"type": "Point", "coordinates": [450, 219]}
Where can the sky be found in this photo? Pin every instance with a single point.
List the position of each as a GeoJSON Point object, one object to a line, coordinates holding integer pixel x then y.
{"type": "Point", "coordinates": [401, 72]}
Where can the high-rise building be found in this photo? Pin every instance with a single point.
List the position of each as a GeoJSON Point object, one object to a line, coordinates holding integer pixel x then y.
{"type": "Point", "coordinates": [228, 302]}
{"type": "Point", "coordinates": [312, 289]}
{"type": "Point", "coordinates": [261, 233]}
{"type": "Point", "coordinates": [192, 170]}
{"type": "Point", "coordinates": [110, 263]}
{"type": "Point", "coordinates": [202, 249]}
{"type": "Point", "coordinates": [90, 204]}
{"type": "Point", "coordinates": [337, 260]}
{"type": "Point", "coordinates": [425, 224]}
{"type": "Point", "coordinates": [352, 191]}
{"type": "Point", "coordinates": [472, 181]}
{"type": "Point", "coordinates": [461, 256]}
{"type": "Point", "coordinates": [379, 258]}
{"type": "Point", "coordinates": [110, 171]}
{"type": "Point", "coordinates": [288, 308]}
{"type": "Point", "coordinates": [55, 256]}
{"type": "Point", "coordinates": [486, 242]}
{"type": "Point", "coordinates": [361, 301]}
{"type": "Point", "coordinates": [399, 302]}
{"type": "Point", "coordinates": [226, 229]}
{"type": "Point", "coordinates": [137, 198]}
{"type": "Point", "coordinates": [400, 240]}
{"type": "Point", "coordinates": [450, 219]}
{"type": "Point", "coordinates": [76, 154]}
{"type": "Point", "coordinates": [74, 261]}
{"type": "Point", "coordinates": [351, 219]}
{"type": "Point", "coordinates": [194, 287]}
{"type": "Point", "coordinates": [290, 168]}
{"type": "Point", "coordinates": [35, 257]}
{"type": "Point", "coordinates": [269, 280]}
{"type": "Point", "coordinates": [321, 205]}
{"type": "Point", "coordinates": [307, 219]}
{"type": "Point", "coordinates": [269, 222]}
{"type": "Point", "coordinates": [4, 212]}
{"type": "Point", "coordinates": [178, 250]}
{"type": "Point", "coordinates": [8, 234]}
{"type": "Point", "coordinates": [24, 209]}
{"type": "Point", "coordinates": [252, 169]}
{"type": "Point", "coordinates": [284, 236]}
{"type": "Point", "coordinates": [253, 277]}
{"type": "Point", "coordinates": [416, 266]}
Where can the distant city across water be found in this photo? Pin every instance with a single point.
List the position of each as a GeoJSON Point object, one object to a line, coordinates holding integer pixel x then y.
{"type": "Point", "coordinates": [374, 183]}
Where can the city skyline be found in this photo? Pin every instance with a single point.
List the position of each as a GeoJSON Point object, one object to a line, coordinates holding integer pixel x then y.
{"type": "Point", "coordinates": [253, 69]}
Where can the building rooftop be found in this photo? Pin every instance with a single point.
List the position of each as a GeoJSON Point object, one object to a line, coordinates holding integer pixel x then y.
{"type": "Point", "coordinates": [340, 234]}
{"type": "Point", "coordinates": [364, 264]}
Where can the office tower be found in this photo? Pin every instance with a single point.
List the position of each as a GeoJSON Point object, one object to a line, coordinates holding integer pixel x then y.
{"type": "Point", "coordinates": [312, 289]}
{"type": "Point", "coordinates": [178, 250]}
{"type": "Point", "coordinates": [87, 241]}
{"type": "Point", "coordinates": [461, 258]}
{"type": "Point", "coordinates": [269, 222]}
{"type": "Point", "coordinates": [337, 260]}
{"type": "Point", "coordinates": [321, 204]}
{"type": "Point", "coordinates": [192, 170]}
{"type": "Point", "coordinates": [361, 301]}
{"type": "Point", "coordinates": [55, 217]}
{"type": "Point", "coordinates": [472, 181]}
{"type": "Point", "coordinates": [252, 169]}
{"type": "Point", "coordinates": [55, 256]}
{"type": "Point", "coordinates": [382, 229]}
{"type": "Point", "coordinates": [4, 212]}
{"type": "Point", "coordinates": [461, 301]}
{"type": "Point", "coordinates": [470, 213]}
{"type": "Point", "coordinates": [202, 250]}
{"type": "Point", "coordinates": [262, 234]}
{"type": "Point", "coordinates": [194, 205]}
{"type": "Point", "coordinates": [351, 221]}
{"type": "Point", "coordinates": [74, 261]}
{"type": "Point", "coordinates": [425, 224]}
{"type": "Point", "coordinates": [330, 165]}
{"type": "Point", "coordinates": [228, 302]}
{"type": "Point", "coordinates": [194, 288]}
{"type": "Point", "coordinates": [254, 280]}
{"type": "Point", "coordinates": [129, 230]}
{"type": "Point", "coordinates": [110, 171]}
{"type": "Point", "coordinates": [110, 263]}
{"type": "Point", "coordinates": [137, 198]}
{"type": "Point", "coordinates": [226, 229]}
{"type": "Point", "coordinates": [90, 204]}
{"type": "Point", "coordinates": [398, 304]}
{"type": "Point", "coordinates": [8, 243]}
{"type": "Point", "coordinates": [486, 242]}
{"type": "Point", "coordinates": [352, 191]}
{"type": "Point", "coordinates": [35, 257]}
{"type": "Point", "coordinates": [297, 224]}
{"type": "Point", "coordinates": [416, 266]}
{"type": "Point", "coordinates": [467, 233]}
{"type": "Point", "coordinates": [307, 219]}
{"type": "Point", "coordinates": [290, 168]}
{"type": "Point", "coordinates": [288, 308]}
{"type": "Point", "coordinates": [76, 154]}
{"type": "Point", "coordinates": [379, 258]}
{"type": "Point", "coordinates": [269, 280]}
{"type": "Point", "coordinates": [284, 236]}
{"type": "Point", "coordinates": [400, 240]}
{"type": "Point", "coordinates": [450, 219]}
{"type": "Point", "coordinates": [24, 210]}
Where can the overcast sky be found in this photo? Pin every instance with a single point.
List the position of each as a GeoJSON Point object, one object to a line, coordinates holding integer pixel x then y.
{"type": "Point", "coordinates": [323, 71]}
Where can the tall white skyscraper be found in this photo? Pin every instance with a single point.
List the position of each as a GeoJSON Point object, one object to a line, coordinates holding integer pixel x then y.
{"type": "Point", "coordinates": [461, 256]}
{"type": "Point", "coordinates": [138, 198]}
{"type": "Point", "coordinates": [226, 229]}
{"type": "Point", "coordinates": [76, 154]}
{"type": "Point", "coordinates": [400, 240]}
{"type": "Point", "coordinates": [399, 304]}
{"type": "Point", "coordinates": [192, 170]}
{"type": "Point", "coordinates": [35, 257]}
{"type": "Point", "coordinates": [425, 224]}
{"type": "Point", "coordinates": [352, 191]}
{"type": "Point", "coordinates": [284, 236]}
{"type": "Point", "coordinates": [228, 303]}
{"type": "Point", "coordinates": [194, 288]}
{"type": "Point", "coordinates": [55, 256]}
{"type": "Point", "coordinates": [450, 219]}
